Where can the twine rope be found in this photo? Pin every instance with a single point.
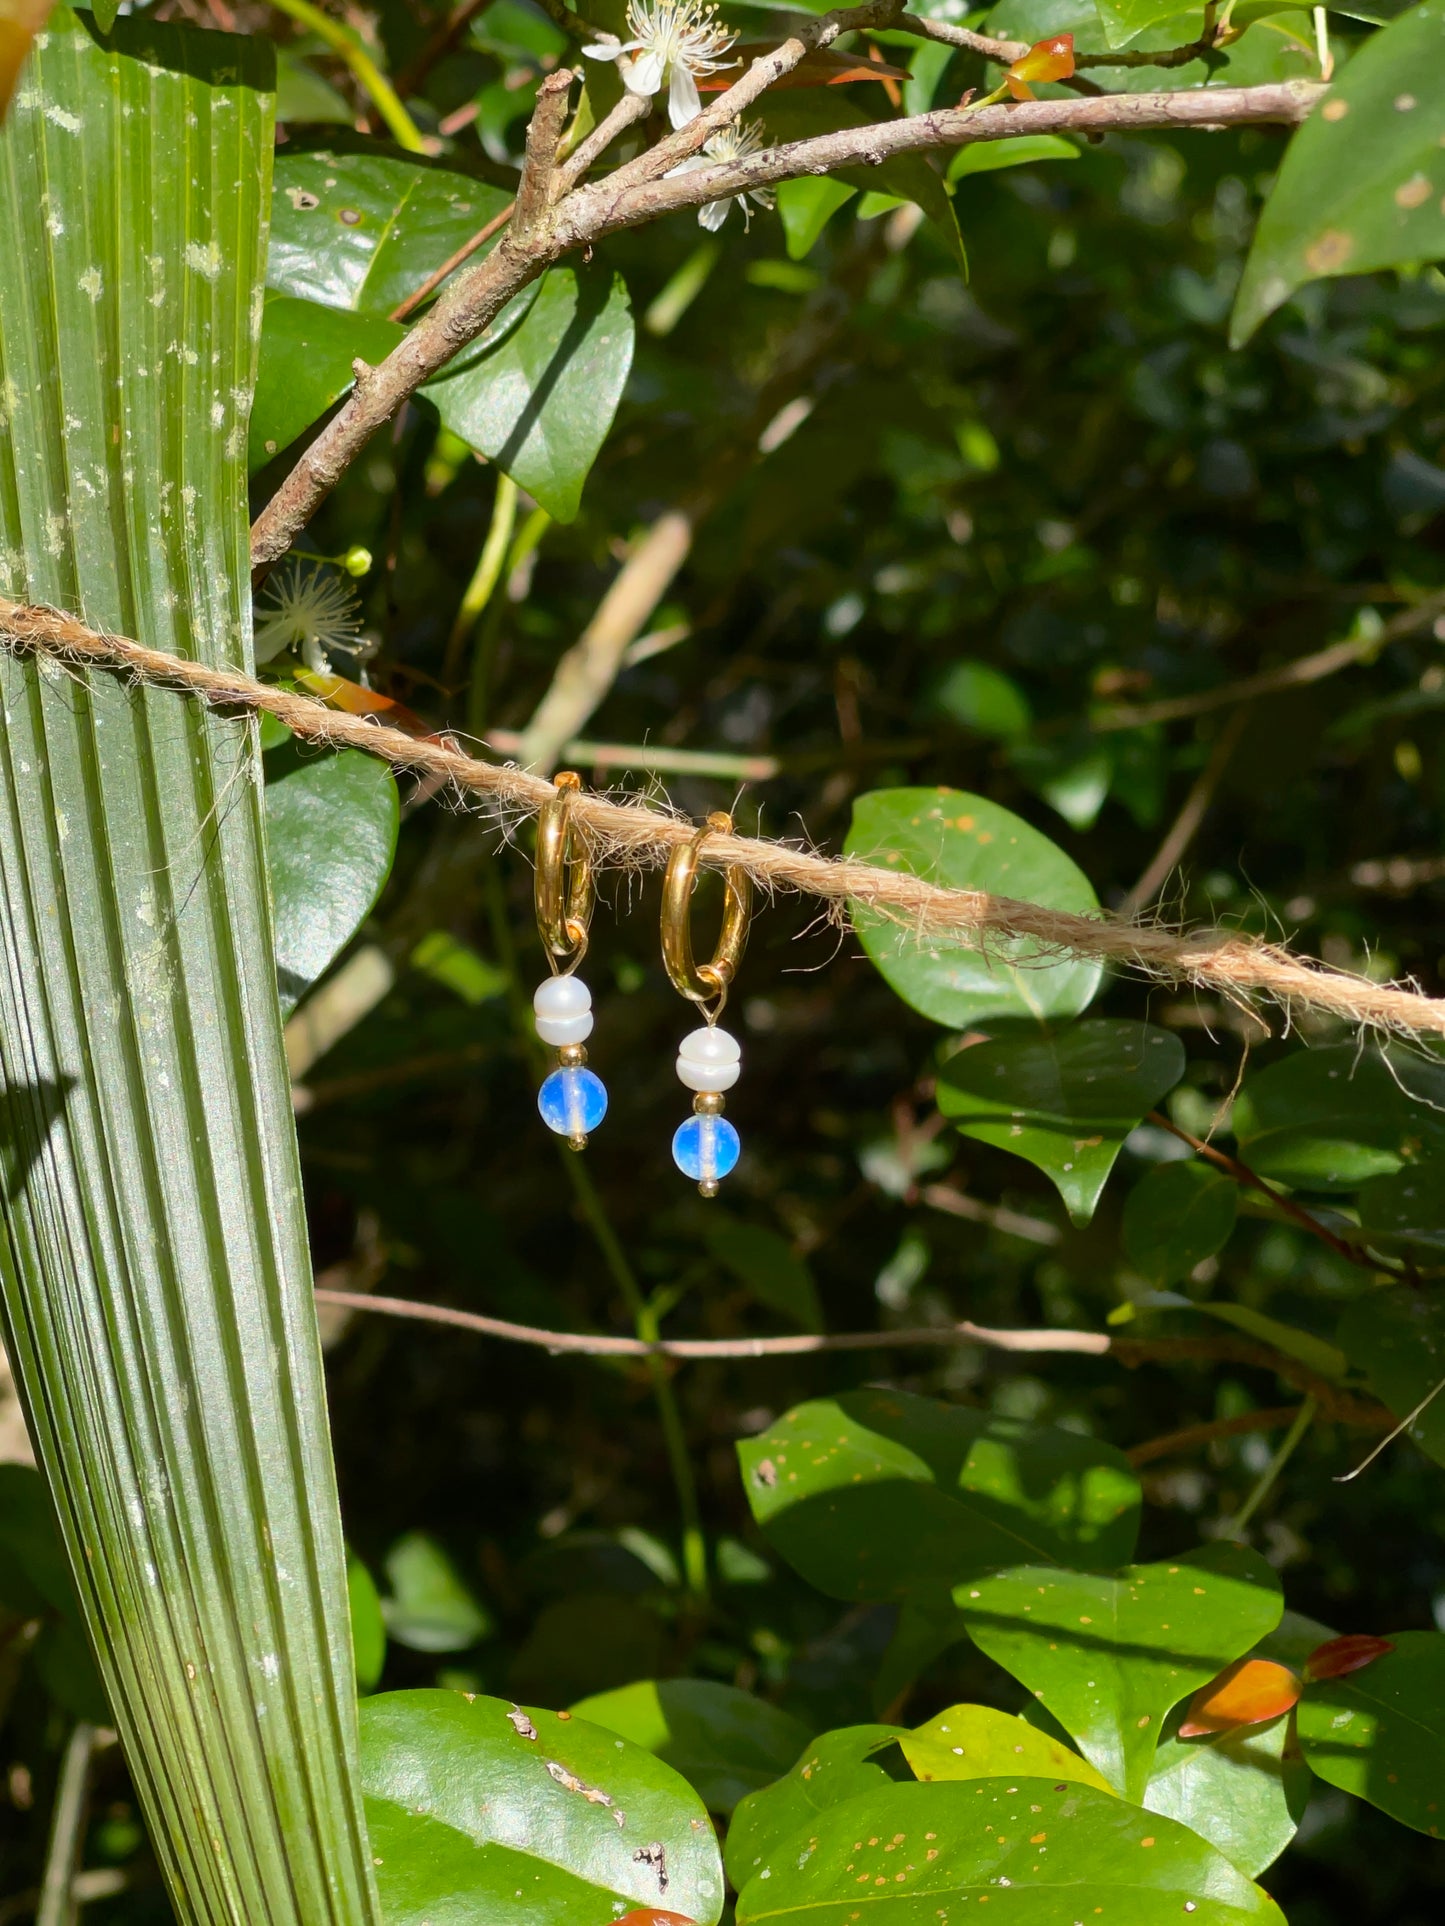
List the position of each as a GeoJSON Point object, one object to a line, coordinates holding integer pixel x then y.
{"type": "Point", "coordinates": [641, 834]}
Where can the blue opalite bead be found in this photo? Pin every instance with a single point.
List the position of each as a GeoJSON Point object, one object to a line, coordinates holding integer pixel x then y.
{"type": "Point", "coordinates": [572, 1102]}
{"type": "Point", "coordinates": [706, 1148]}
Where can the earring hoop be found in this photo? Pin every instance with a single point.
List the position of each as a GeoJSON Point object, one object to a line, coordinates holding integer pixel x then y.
{"type": "Point", "coordinates": [708, 981]}
{"type": "Point", "coordinates": [563, 888]}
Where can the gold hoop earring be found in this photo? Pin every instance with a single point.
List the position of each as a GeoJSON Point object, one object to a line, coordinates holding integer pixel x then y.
{"type": "Point", "coordinates": [573, 1099]}
{"type": "Point", "coordinates": [709, 1061]}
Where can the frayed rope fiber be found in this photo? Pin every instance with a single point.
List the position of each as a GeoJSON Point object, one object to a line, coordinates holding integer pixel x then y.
{"type": "Point", "coordinates": [635, 834]}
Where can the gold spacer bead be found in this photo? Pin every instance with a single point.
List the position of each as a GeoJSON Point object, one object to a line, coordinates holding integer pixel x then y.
{"type": "Point", "coordinates": [578, 1142]}
{"type": "Point", "coordinates": [708, 1103]}
{"type": "Point", "coordinates": [572, 1054]}
{"type": "Point", "coordinates": [709, 1187]}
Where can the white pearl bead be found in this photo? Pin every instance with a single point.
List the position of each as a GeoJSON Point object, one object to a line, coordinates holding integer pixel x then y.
{"type": "Point", "coordinates": [707, 1076]}
{"type": "Point", "coordinates": [710, 1046]}
{"type": "Point", "coordinates": [558, 1030]}
{"type": "Point", "coordinates": [561, 996]}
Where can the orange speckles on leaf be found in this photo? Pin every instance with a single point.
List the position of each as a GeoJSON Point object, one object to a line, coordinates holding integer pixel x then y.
{"type": "Point", "coordinates": [1339, 1656]}
{"type": "Point", "coordinates": [1051, 59]}
{"type": "Point", "coordinates": [1330, 252]}
{"type": "Point", "coordinates": [1245, 1693]}
{"type": "Point", "coordinates": [1334, 110]}
{"type": "Point", "coordinates": [1413, 192]}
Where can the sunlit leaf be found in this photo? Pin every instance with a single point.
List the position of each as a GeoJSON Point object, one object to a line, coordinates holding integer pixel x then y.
{"type": "Point", "coordinates": [977, 1742]}
{"type": "Point", "coordinates": [1017, 150]}
{"type": "Point", "coordinates": [725, 1742]}
{"type": "Point", "coordinates": [1380, 1733]}
{"type": "Point", "coordinates": [1249, 1692]}
{"type": "Point", "coordinates": [1051, 59]}
{"type": "Point", "coordinates": [838, 1766]}
{"type": "Point", "coordinates": [306, 356]}
{"type": "Point", "coordinates": [1244, 1790]}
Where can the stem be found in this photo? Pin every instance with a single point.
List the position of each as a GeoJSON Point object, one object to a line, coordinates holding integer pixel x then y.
{"type": "Point", "coordinates": [480, 689]}
{"type": "Point", "coordinates": [644, 1316]}
{"type": "Point", "coordinates": [67, 1830]}
{"type": "Point", "coordinates": [368, 76]}
{"type": "Point", "coordinates": [489, 567]}
{"type": "Point", "coordinates": [1304, 1418]}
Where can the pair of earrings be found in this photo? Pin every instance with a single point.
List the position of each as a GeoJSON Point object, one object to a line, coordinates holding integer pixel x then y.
{"type": "Point", "coordinates": [573, 1099]}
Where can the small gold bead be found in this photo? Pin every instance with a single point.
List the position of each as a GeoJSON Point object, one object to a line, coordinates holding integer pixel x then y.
{"type": "Point", "coordinates": [578, 1142]}
{"type": "Point", "coordinates": [709, 1187]}
{"type": "Point", "coordinates": [708, 1103]}
{"type": "Point", "coordinates": [572, 1054]}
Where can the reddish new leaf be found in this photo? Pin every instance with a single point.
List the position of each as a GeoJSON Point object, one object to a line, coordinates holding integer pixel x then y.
{"type": "Point", "coordinates": [20, 21]}
{"type": "Point", "coordinates": [1051, 59]}
{"type": "Point", "coordinates": [1339, 1656]}
{"type": "Point", "coordinates": [339, 693]}
{"type": "Point", "coordinates": [653, 1916]}
{"type": "Point", "coordinates": [823, 69]}
{"type": "Point", "coordinates": [1246, 1693]}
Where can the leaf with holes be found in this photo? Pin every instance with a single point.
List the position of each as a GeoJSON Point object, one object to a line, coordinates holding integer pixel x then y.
{"type": "Point", "coordinates": [878, 1494]}
{"type": "Point", "coordinates": [915, 1854]}
{"type": "Point", "coordinates": [960, 841]}
{"type": "Point", "coordinates": [1397, 1338]}
{"type": "Point", "coordinates": [838, 1766]}
{"type": "Point", "coordinates": [1380, 1733]}
{"type": "Point", "coordinates": [1110, 1655]}
{"type": "Point", "coordinates": [977, 1742]}
{"type": "Point", "coordinates": [1328, 1119]}
{"type": "Point", "coordinates": [725, 1742]}
{"type": "Point", "coordinates": [540, 402]}
{"type": "Point", "coordinates": [1177, 1216]}
{"type": "Point", "coordinates": [1362, 185]}
{"type": "Point", "coordinates": [1065, 1102]}
{"type": "Point", "coordinates": [472, 1801]}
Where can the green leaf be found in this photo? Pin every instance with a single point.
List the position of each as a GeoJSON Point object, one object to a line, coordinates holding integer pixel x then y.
{"type": "Point", "coordinates": [368, 1627]}
{"type": "Point", "coordinates": [805, 207]}
{"type": "Point", "coordinates": [1176, 1216]}
{"type": "Point", "coordinates": [1327, 1359]}
{"type": "Point", "coordinates": [1124, 20]}
{"type": "Point", "coordinates": [34, 1576]}
{"type": "Point", "coordinates": [540, 402]}
{"type": "Point", "coordinates": [473, 1804]}
{"type": "Point", "coordinates": [1109, 1656]}
{"type": "Point", "coordinates": [977, 1742]}
{"type": "Point", "coordinates": [962, 841]}
{"type": "Point", "coordinates": [1280, 49]}
{"type": "Point", "coordinates": [1396, 1337]}
{"type": "Point", "coordinates": [1380, 1732]}
{"type": "Point", "coordinates": [1019, 150]}
{"type": "Point", "coordinates": [1362, 182]}
{"type": "Point", "coordinates": [429, 1608]}
{"type": "Point", "coordinates": [303, 97]}
{"type": "Point", "coordinates": [972, 693]}
{"type": "Point", "coordinates": [306, 357]}
{"type": "Point", "coordinates": [1065, 1855]}
{"type": "Point", "coordinates": [363, 231]}
{"type": "Point", "coordinates": [1244, 1791]}
{"type": "Point", "coordinates": [836, 1767]}
{"type": "Point", "coordinates": [153, 1246]}
{"type": "Point", "coordinates": [770, 1268]}
{"type": "Point", "coordinates": [331, 823]}
{"type": "Point", "coordinates": [1406, 1209]}
{"type": "Point", "coordinates": [1327, 1119]}
{"type": "Point", "coordinates": [448, 961]}
{"type": "Point", "coordinates": [878, 1494]}
{"type": "Point", "coordinates": [1065, 1102]}
{"type": "Point", "coordinates": [725, 1742]}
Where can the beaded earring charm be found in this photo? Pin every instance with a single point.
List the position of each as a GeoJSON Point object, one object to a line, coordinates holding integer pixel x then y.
{"type": "Point", "coordinates": [709, 1060]}
{"type": "Point", "coordinates": [572, 1100]}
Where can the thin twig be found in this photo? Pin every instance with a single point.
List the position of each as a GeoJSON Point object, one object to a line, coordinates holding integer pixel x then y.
{"type": "Point", "coordinates": [1193, 1435]}
{"type": "Point", "coordinates": [639, 834]}
{"type": "Point", "coordinates": [1186, 824]}
{"type": "Point", "coordinates": [627, 112]}
{"type": "Point", "coordinates": [433, 281]}
{"type": "Point", "coordinates": [1265, 1483]}
{"type": "Point", "coordinates": [67, 1830]}
{"type": "Point", "coordinates": [1003, 53]}
{"type": "Point", "coordinates": [664, 760]}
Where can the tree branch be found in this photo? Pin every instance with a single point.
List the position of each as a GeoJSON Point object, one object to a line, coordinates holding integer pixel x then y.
{"type": "Point", "coordinates": [544, 133]}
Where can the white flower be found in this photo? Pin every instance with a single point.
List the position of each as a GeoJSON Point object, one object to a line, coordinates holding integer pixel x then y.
{"type": "Point", "coordinates": [673, 41]}
{"type": "Point", "coordinates": [733, 143]}
{"type": "Point", "coordinates": [311, 607]}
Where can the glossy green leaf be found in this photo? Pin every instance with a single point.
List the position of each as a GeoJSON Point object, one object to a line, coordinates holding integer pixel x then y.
{"type": "Point", "coordinates": [1407, 1210]}
{"type": "Point", "coordinates": [474, 1804]}
{"type": "Point", "coordinates": [153, 1244]}
{"type": "Point", "coordinates": [363, 230]}
{"type": "Point", "coordinates": [428, 1606]}
{"type": "Point", "coordinates": [838, 1766]}
{"type": "Point", "coordinates": [1273, 49]}
{"type": "Point", "coordinates": [539, 403]}
{"type": "Point", "coordinates": [368, 1627]}
{"type": "Point", "coordinates": [1362, 185]}
{"type": "Point", "coordinates": [1065, 1102]}
{"type": "Point", "coordinates": [966, 842]}
{"type": "Point", "coordinates": [977, 1742]}
{"type": "Point", "coordinates": [1380, 1733]}
{"type": "Point", "coordinates": [1110, 1655]}
{"type": "Point", "coordinates": [915, 1854]}
{"type": "Point", "coordinates": [1124, 20]}
{"type": "Point", "coordinates": [1021, 150]}
{"type": "Point", "coordinates": [769, 1267]}
{"type": "Point", "coordinates": [306, 357]}
{"type": "Point", "coordinates": [1176, 1216]}
{"type": "Point", "coordinates": [725, 1742]}
{"type": "Point", "coordinates": [806, 206]}
{"type": "Point", "coordinates": [1327, 1119]}
{"type": "Point", "coordinates": [878, 1494]}
{"type": "Point", "coordinates": [1396, 1337]}
{"type": "Point", "coordinates": [331, 823]}
{"type": "Point", "coordinates": [1244, 1791]}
